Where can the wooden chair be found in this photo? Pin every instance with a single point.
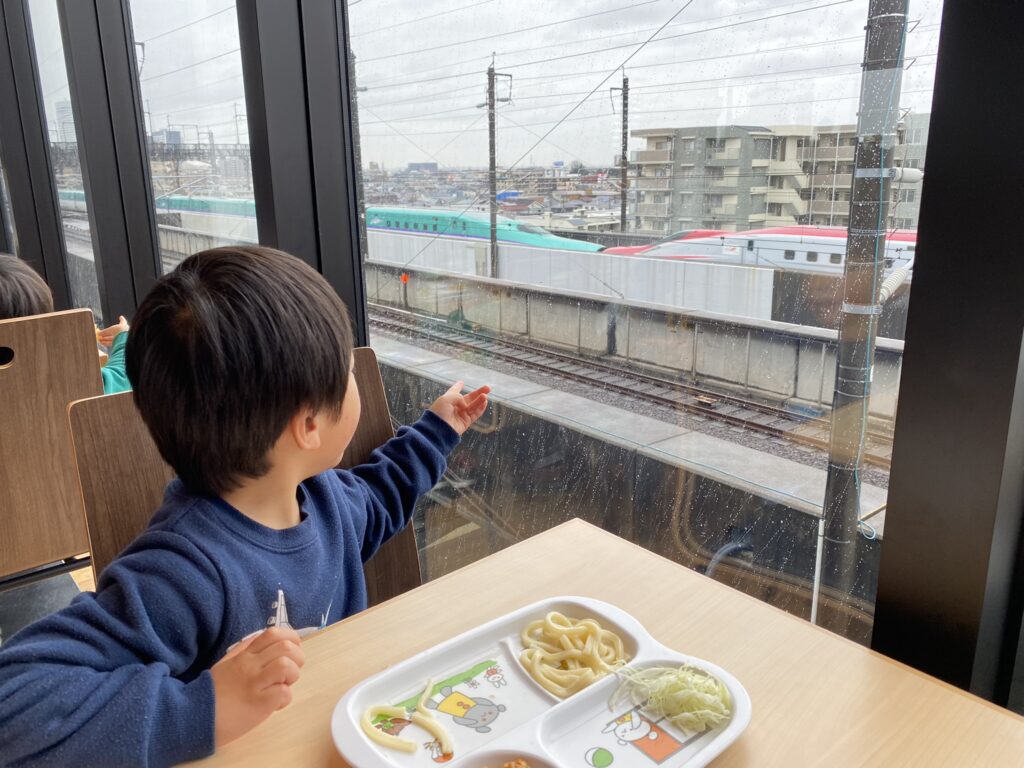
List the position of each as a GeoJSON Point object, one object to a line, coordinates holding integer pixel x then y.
{"type": "Point", "coordinates": [120, 471]}
{"type": "Point", "coordinates": [46, 361]}
{"type": "Point", "coordinates": [123, 477]}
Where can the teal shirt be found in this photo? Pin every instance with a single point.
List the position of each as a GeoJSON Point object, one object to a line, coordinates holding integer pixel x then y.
{"type": "Point", "coordinates": [115, 378]}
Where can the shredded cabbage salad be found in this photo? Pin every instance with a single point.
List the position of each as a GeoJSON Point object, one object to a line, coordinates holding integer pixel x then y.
{"type": "Point", "coordinates": [688, 697]}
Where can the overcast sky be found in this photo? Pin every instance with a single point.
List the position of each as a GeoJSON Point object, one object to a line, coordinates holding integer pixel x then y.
{"type": "Point", "coordinates": [423, 66]}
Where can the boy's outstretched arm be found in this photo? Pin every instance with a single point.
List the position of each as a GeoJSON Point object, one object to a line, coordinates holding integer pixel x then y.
{"type": "Point", "coordinates": [410, 464]}
{"type": "Point", "coordinates": [94, 684]}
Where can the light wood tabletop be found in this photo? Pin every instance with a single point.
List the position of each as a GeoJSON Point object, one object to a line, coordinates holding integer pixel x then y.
{"type": "Point", "coordinates": [818, 699]}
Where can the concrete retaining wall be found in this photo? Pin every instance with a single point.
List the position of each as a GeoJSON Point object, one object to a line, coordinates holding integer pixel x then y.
{"type": "Point", "coordinates": [776, 361]}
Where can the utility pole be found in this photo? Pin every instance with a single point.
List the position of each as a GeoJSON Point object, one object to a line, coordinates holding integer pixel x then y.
{"type": "Point", "coordinates": [357, 156]}
{"type": "Point", "coordinates": [492, 178]}
{"type": "Point", "coordinates": [624, 157]}
{"type": "Point", "coordinates": [238, 135]}
{"type": "Point", "coordinates": [865, 267]}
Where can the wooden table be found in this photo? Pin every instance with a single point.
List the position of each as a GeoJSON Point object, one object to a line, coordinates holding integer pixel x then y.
{"type": "Point", "coordinates": [818, 699]}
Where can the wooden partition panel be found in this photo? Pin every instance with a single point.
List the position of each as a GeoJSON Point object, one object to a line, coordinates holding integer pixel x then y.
{"type": "Point", "coordinates": [120, 470]}
{"type": "Point", "coordinates": [396, 566]}
{"type": "Point", "coordinates": [46, 362]}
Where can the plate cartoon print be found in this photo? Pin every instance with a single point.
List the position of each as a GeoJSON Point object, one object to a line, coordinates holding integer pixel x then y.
{"type": "Point", "coordinates": [484, 703]}
{"type": "Point", "coordinates": [476, 703]}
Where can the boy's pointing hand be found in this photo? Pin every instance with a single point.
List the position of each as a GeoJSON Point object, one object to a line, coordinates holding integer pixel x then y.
{"type": "Point", "coordinates": [458, 410]}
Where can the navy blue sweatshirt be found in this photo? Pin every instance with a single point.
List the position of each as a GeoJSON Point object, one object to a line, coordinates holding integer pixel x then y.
{"type": "Point", "coordinates": [121, 677]}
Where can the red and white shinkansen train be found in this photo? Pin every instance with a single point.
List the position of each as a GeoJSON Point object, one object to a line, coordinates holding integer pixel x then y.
{"type": "Point", "coordinates": [812, 249]}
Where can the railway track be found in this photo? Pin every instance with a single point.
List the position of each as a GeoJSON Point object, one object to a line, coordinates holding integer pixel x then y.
{"type": "Point", "coordinates": [730, 409]}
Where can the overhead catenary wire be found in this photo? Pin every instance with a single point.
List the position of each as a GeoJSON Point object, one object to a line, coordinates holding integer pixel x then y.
{"type": "Point", "coordinates": [590, 40]}
{"type": "Point", "coordinates": [476, 60]}
{"type": "Point", "coordinates": [522, 30]}
{"type": "Point", "coordinates": [187, 25]}
{"type": "Point", "coordinates": [668, 38]}
{"type": "Point", "coordinates": [673, 110]}
{"type": "Point", "coordinates": [190, 66]}
{"type": "Point", "coordinates": [378, 85]}
{"type": "Point", "coordinates": [418, 19]}
{"type": "Point", "coordinates": [563, 77]}
{"type": "Point", "coordinates": [426, 116]}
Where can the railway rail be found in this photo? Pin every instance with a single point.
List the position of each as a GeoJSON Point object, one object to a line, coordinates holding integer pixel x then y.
{"type": "Point", "coordinates": [770, 419]}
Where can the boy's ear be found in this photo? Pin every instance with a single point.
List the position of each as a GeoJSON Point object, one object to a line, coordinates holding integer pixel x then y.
{"type": "Point", "coordinates": [304, 429]}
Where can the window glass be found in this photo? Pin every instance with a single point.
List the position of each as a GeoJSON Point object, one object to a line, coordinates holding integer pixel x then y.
{"type": "Point", "coordinates": [190, 73]}
{"type": "Point", "coordinates": [67, 168]}
{"type": "Point", "coordinates": [8, 237]}
{"type": "Point", "coordinates": [812, 256]}
{"type": "Point", "coordinates": [768, 96]}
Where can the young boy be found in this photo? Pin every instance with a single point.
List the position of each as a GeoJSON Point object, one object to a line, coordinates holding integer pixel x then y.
{"type": "Point", "coordinates": [23, 292]}
{"type": "Point", "coordinates": [241, 366]}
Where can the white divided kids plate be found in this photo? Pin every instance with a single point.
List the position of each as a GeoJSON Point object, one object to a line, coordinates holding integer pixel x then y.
{"type": "Point", "coordinates": [495, 712]}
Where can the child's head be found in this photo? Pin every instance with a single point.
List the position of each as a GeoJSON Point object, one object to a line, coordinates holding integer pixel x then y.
{"type": "Point", "coordinates": [233, 349]}
{"type": "Point", "coordinates": [22, 291]}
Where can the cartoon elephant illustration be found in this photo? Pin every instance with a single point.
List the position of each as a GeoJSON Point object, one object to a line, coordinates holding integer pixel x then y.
{"type": "Point", "coordinates": [475, 713]}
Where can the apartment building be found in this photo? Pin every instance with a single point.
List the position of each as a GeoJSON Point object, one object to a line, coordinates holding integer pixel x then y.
{"type": "Point", "coordinates": [748, 177]}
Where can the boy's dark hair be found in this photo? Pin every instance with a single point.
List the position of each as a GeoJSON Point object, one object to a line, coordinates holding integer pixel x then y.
{"type": "Point", "coordinates": [225, 350]}
{"type": "Point", "coordinates": [22, 291]}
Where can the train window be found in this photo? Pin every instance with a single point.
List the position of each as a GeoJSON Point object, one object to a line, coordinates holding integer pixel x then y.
{"type": "Point", "coordinates": [789, 255]}
{"type": "Point", "coordinates": [463, 226]}
{"type": "Point", "coordinates": [435, 227]}
{"type": "Point", "coordinates": [531, 229]}
{"type": "Point", "coordinates": [750, 245]}
{"type": "Point", "coordinates": [812, 255]}
{"type": "Point", "coordinates": [835, 258]}
{"type": "Point", "coordinates": [388, 223]}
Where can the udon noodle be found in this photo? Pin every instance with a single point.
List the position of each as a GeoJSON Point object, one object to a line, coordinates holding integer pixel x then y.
{"type": "Point", "coordinates": [565, 655]}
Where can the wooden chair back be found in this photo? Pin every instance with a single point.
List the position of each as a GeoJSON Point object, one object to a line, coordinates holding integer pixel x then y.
{"type": "Point", "coordinates": [46, 361]}
{"type": "Point", "coordinates": [120, 471]}
{"type": "Point", "coordinates": [123, 476]}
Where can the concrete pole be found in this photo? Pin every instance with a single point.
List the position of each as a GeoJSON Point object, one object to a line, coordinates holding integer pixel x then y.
{"type": "Point", "coordinates": [492, 178]}
{"type": "Point", "coordinates": [357, 156]}
{"type": "Point", "coordinates": [624, 160]}
{"type": "Point", "coordinates": [865, 266]}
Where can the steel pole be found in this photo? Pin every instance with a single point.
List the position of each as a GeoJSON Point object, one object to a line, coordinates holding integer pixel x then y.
{"type": "Point", "coordinates": [492, 178]}
{"type": "Point", "coordinates": [623, 161]}
{"type": "Point", "coordinates": [865, 267]}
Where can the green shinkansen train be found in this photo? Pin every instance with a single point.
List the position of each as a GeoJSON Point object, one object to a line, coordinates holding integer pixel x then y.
{"type": "Point", "coordinates": [408, 221]}
{"type": "Point", "coordinates": [469, 225]}
{"type": "Point", "coordinates": [221, 206]}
